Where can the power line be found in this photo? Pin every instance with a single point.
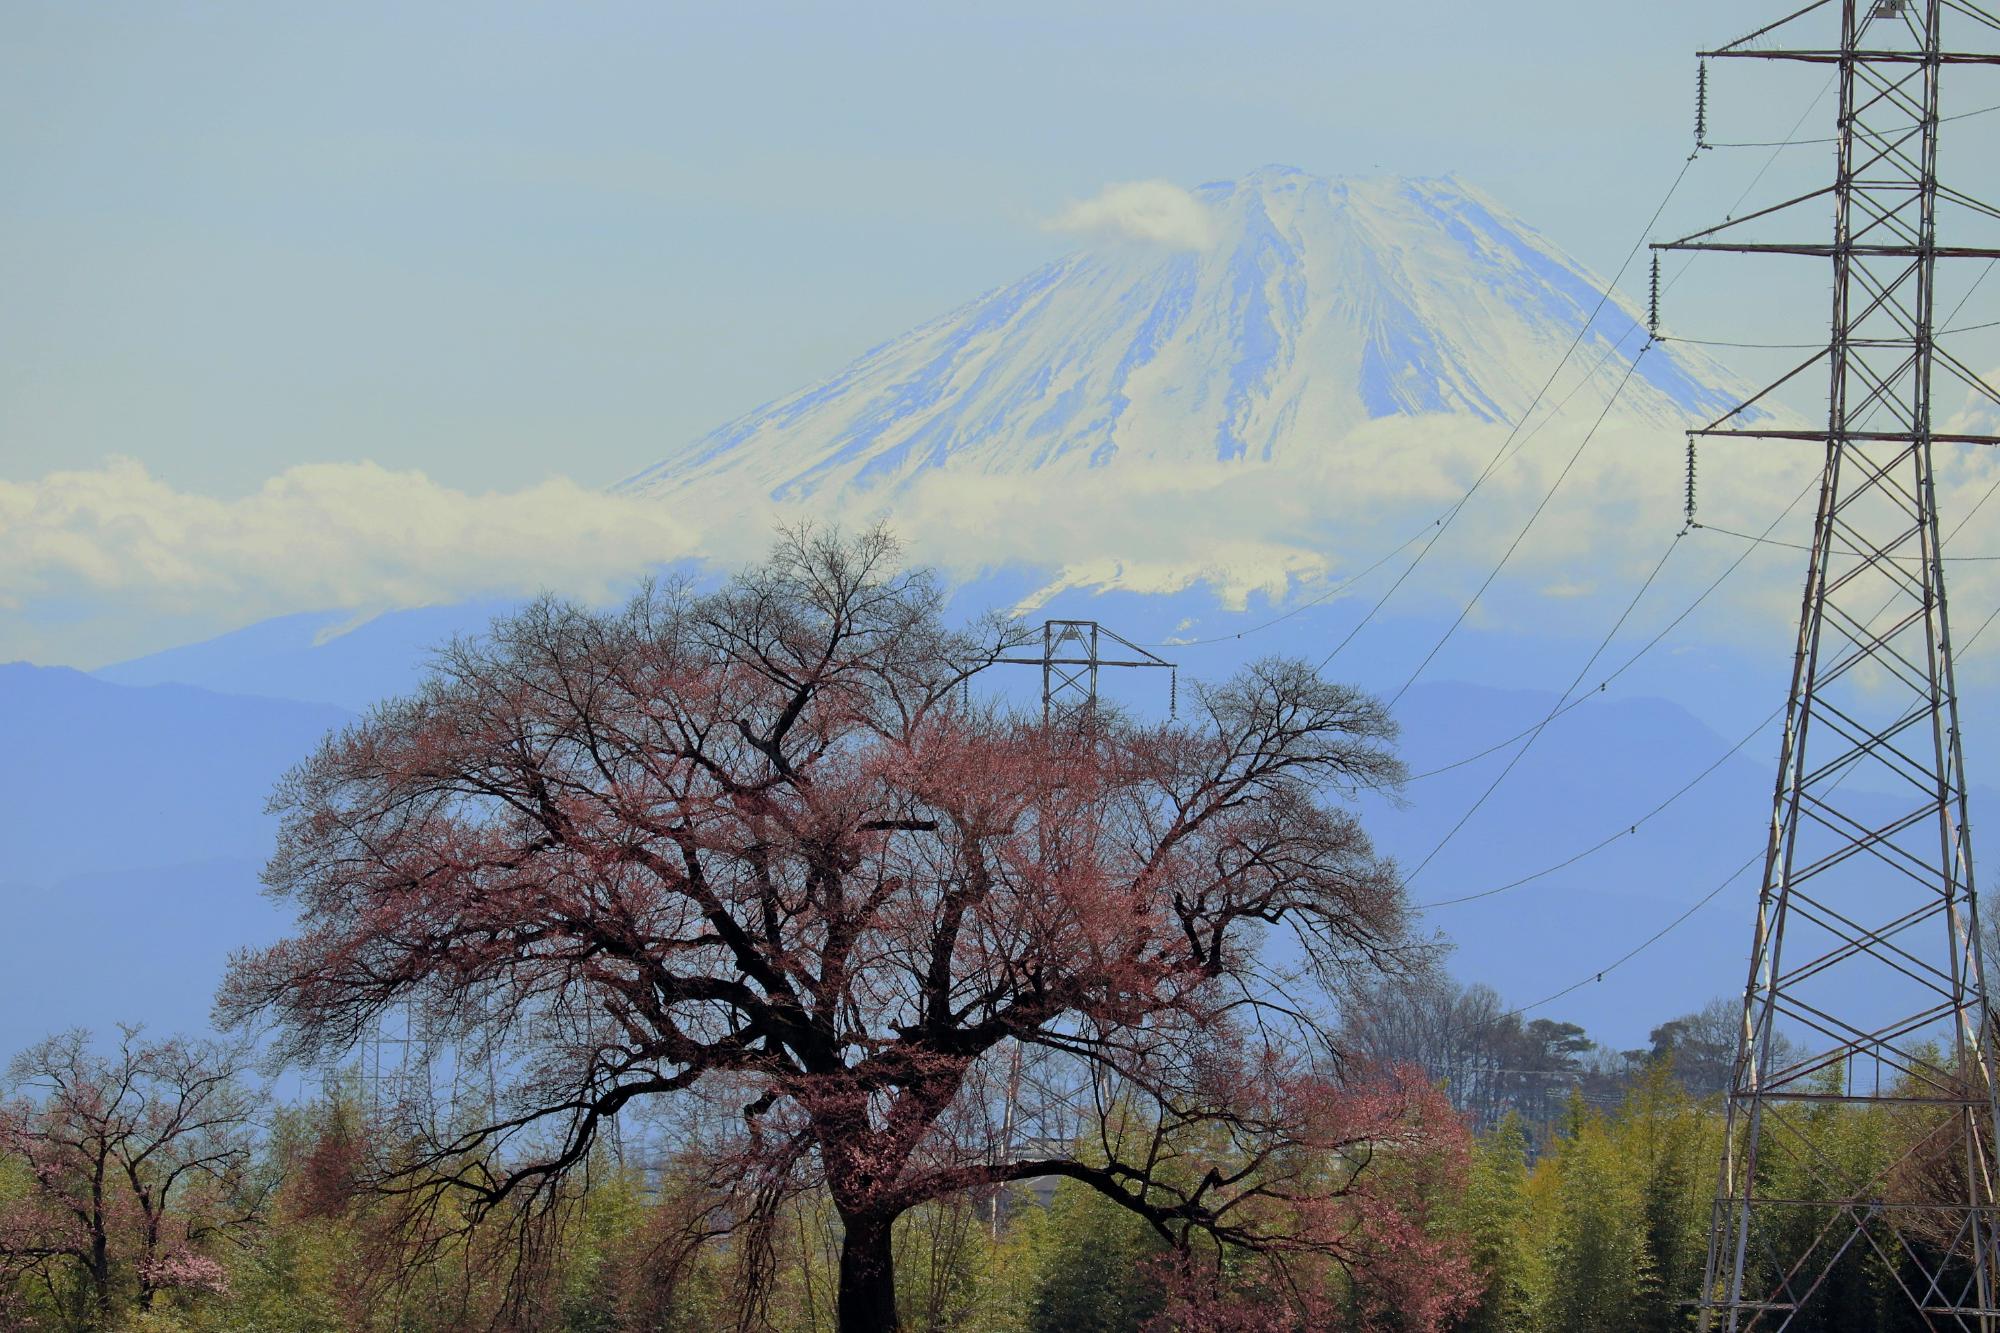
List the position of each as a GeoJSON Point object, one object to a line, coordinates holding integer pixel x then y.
{"type": "Point", "coordinates": [1710, 896]}
{"type": "Point", "coordinates": [1561, 700]}
{"type": "Point", "coordinates": [1801, 546]}
{"type": "Point", "coordinates": [1467, 609]}
{"type": "Point", "coordinates": [1632, 828]}
{"type": "Point", "coordinates": [1500, 454]}
{"type": "Point", "coordinates": [1509, 448]}
{"type": "Point", "coordinates": [1800, 347]}
{"type": "Point", "coordinates": [1626, 832]}
{"type": "Point", "coordinates": [1527, 527]}
{"type": "Point", "coordinates": [1642, 946]}
{"type": "Point", "coordinates": [1529, 736]}
{"type": "Point", "coordinates": [1589, 377]}
{"type": "Point", "coordinates": [1800, 143]}
{"type": "Point", "coordinates": [1628, 663]}
{"type": "Point", "coordinates": [1717, 342]}
{"type": "Point", "coordinates": [1319, 600]}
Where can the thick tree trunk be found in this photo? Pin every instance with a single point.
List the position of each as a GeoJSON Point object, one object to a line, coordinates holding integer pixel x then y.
{"type": "Point", "coordinates": [100, 1274]}
{"type": "Point", "coordinates": [867, 1275]}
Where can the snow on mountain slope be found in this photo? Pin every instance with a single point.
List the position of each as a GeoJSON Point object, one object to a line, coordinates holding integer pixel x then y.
{"type": "Point", "coordinates": [1318, 305]}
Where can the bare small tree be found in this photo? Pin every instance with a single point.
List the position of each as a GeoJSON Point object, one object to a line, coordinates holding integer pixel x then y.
{"type": "Point", "coordinates": [137, 1165]}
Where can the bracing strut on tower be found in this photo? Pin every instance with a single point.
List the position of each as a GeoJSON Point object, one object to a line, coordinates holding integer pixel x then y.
{"type": "Point", "coordinates": [1866, 995]}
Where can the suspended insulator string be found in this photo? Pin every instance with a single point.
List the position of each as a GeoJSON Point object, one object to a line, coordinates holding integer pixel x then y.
{"type": "Point", "coordinates": [1173, 692]}
{"type": "Point", "coordinates": [1701, 105]}
{"type": "Point", "coordinates": [1690, 482]}
{"type": "Point", "coordinates": [1653, 300]}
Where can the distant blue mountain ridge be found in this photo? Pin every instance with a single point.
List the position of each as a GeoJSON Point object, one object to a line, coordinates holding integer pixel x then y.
{"type": "Point", "coordinates": [139, 810]}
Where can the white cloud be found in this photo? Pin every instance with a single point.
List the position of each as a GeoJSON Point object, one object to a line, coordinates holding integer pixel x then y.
{"type": "Point", "coordinates": [346, 535]}
{"type": "Point", "coordinates": [1158, 212]}
{"type": "Point", "coordinates": [1979, 414]}
{"type": "Point", "coordinates": [105, 563]}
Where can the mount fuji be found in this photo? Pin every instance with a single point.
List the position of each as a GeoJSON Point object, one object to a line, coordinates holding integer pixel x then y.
{"type": "Point", "coordinates": [1293, 310]}
{"type": "Point", "coordinates": [1295, 333]}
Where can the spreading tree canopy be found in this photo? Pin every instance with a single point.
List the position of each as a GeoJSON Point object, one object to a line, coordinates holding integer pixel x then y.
{"type": "Point", "coordinates": [759, 850]}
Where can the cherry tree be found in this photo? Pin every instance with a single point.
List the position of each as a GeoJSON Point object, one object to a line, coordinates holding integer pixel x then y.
{"type": "Point", "coordinates": [137, 1164]}
{"type": "Point", "coordinates": [758, 849]}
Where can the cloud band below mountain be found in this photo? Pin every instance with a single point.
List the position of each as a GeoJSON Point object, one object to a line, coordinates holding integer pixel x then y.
{"type": "Point", "coordinates": [102, 564]}
{"type": "Point", "coordinates": [127, 545]}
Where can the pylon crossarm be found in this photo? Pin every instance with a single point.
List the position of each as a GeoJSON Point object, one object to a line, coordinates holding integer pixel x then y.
{"type": "Point", "coordinates": [1812, 250]}
{"type": "Point", "coordinates": [1872, 57]}
{"type": "Point", "coordinates": [1964, 200]}
{"type": "Point", "coordinates": [1861, 436]}
{"type": "Point", "coordinates": [1075, 661]}
{"type": "Point", "coordinates": [1684, 242]}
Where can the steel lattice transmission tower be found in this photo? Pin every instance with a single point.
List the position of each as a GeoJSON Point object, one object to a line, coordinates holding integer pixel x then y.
{"type": "Point", "coordinates": [1866, 999]}
{"type": "Point", "coordinates": [1072, 655]}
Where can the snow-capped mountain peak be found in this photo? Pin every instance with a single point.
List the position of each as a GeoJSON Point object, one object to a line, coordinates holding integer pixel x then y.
{"type": "Point", "coordinates": [1312, 306]}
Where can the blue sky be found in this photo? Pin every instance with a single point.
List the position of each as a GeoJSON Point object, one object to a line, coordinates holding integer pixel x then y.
{"type": "Point", "coordinates": [500, 241]}
{"type": "Point", "coordinates": [447, 271]}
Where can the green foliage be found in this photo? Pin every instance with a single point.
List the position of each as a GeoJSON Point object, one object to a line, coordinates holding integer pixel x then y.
{"type": "Point", "coordinates": [1603, 1226]}
{"type": "Point", "coordinates": [1093, 1276]}
{"type": "Point", "coordinates": [1494, 1216]}
{"type": "Point", "coordinates": [1600, 1260]}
